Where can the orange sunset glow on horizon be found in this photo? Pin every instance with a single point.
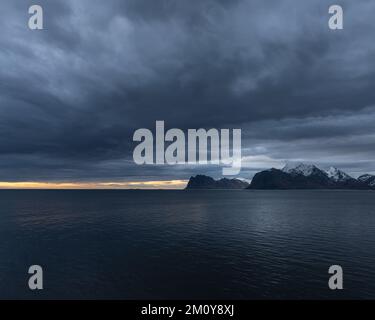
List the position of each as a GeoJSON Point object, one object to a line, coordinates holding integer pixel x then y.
{"type": "Point", "coordinates": [158, 184]}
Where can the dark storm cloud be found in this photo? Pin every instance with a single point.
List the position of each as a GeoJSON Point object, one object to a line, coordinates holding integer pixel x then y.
{"type": "Point", "coordinates": [72, 95]}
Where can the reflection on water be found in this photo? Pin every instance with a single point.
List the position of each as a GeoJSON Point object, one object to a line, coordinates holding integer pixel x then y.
{"type": "Point", "coordinates": [187, 244]}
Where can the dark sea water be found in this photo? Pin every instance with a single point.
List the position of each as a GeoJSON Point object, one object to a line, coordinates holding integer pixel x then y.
{"type": "Point", "coordinates": [187, 244]}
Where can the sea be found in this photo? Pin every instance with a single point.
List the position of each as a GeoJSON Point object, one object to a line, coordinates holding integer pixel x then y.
{"type": "Point", "coordinates": [187, 244]}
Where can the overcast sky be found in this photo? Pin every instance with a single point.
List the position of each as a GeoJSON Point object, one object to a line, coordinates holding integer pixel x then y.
{"type": "Point", "coordinates": [72, 95]}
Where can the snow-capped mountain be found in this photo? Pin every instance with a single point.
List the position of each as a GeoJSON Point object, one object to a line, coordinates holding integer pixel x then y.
{"type": "Point", "coordinates": [338, 175]}
{"type": "Point", "coordinates": [365, 177]}
{"type": "Point", "coordinates": [369, 179]}
{"type": "Point", "coordinates": [307, 170]}
{"type": "Point", "coordinates": [309, 176]}
{"type": "Point", "coordinates": [299, 168]}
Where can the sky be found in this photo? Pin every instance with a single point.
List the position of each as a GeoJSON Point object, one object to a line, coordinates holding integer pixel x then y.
{"type": "Point", "coordinates": [72, 94]}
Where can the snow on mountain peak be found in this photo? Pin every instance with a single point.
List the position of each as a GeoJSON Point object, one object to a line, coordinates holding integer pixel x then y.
{"type": "Point", "coordinates": [337, 175]}
{"type": "Point", "coordinates": [369, 179]}
{"type": "Point", "coordinates": [299, 168]}
{"type": "Point", "coordinates": [309, 169]}
{"type": "Point", "coordinates": [365, 177]}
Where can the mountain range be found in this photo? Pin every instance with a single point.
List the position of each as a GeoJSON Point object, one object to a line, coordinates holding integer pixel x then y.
{"type": "Point", "coordinates": [292, 176]}
{"type": "Point", "coordinates": [308, 176]}
{"type": "Point", "coordinates": [205, 182]}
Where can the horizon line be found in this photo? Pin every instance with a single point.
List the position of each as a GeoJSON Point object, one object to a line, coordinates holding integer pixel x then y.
{"type": "Point", "coordinates": [177, 184]}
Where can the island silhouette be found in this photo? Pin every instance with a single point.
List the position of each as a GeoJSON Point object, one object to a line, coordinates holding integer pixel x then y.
{"type": "Point", "coordinates": [292, 176]}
